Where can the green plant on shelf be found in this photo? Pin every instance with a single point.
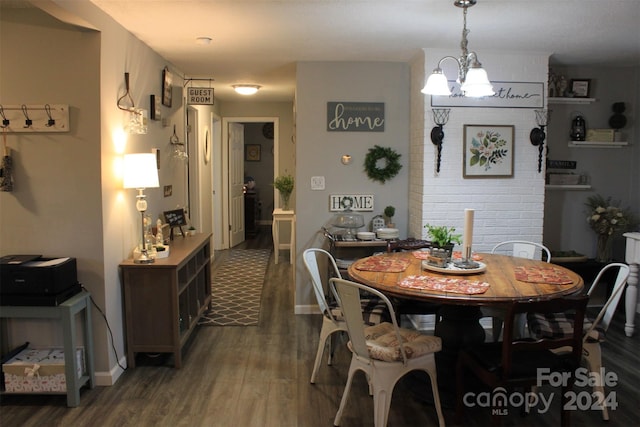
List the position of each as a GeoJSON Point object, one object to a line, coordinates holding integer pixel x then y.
{"type": "Point", "coordinates": [389, 212]}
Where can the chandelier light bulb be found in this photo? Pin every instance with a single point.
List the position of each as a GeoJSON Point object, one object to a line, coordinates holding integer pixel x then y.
{"type": "Point", "coordinates": [473, 79]}
{"type": "Point", "coordinates": [437, 84]}
{"type": "Point", "coordinates": [477, 83]}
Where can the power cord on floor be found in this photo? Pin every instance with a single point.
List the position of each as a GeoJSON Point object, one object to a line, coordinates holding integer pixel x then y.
{"type": "Point", "coordinates": [108, 328]}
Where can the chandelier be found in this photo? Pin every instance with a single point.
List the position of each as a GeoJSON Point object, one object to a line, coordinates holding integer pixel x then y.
{"type": "Point", "coordinates": [472, 77]}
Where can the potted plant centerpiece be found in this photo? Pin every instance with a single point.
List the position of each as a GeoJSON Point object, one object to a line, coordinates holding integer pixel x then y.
{"type": "Point", "coordinates": [443, 239]}
{"type": "Point", "coordinates": [389, 212]}
{"type": "Point", "coordinates": [284, 184]}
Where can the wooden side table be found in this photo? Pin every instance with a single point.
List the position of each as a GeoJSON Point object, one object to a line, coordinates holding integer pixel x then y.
{"type": "Point", "coordinates": [67, 313]}
{"type": "Point", "coordinates": [280, 215]}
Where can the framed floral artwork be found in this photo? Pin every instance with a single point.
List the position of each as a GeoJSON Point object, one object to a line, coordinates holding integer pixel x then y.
{"type": "Point", "coordinates": [488, 151]}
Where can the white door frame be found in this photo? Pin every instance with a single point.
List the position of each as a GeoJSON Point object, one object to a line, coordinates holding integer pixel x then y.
{"type": "Point", "coordinates": [224, 165]}
{"type": "Point", "coordinates": [216, 181]}
{"type": "Point", "coordinates": [193, 171]}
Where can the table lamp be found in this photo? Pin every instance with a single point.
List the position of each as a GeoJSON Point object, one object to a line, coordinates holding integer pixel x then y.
{"type": "Point", "coordinates": [140, 172]}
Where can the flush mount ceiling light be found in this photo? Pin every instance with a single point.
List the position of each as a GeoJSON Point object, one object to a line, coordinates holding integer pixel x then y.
{"type": "Point", "coordinates": [472, 77]}
{"type": "Point", "coordinates": [246, 89]}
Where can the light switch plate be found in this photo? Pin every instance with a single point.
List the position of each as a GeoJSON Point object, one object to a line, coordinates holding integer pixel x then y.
{"type": "Point", "coordinates": [317, 182]}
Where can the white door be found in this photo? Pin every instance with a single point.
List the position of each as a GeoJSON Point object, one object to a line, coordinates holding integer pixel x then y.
{"type": "Point", "coordinates": [236, 183]}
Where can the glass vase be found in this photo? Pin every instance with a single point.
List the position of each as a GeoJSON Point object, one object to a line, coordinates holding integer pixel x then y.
{"type": "Point", "coordinates": [604, 248]}
{"type": "Point", "coordinates": [285, 200]}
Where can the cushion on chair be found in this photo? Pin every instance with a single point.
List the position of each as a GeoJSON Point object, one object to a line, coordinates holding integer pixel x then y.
{"type": "Point", "coordinates": [559, 325]}
{"type": "Point", "coordinates": [383, 344]}
{"type": "Point", "coordinates": [374, 311]}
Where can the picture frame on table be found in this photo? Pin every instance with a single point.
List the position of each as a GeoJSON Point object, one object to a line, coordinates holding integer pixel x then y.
{"type": "Point", "coordinates": [580, 88]}
{"type": "Point", "coordinates": [167, 82]}
{"type": "Point", "coordinates": [488, 151]}
{"type": "Point", "coordinates": [252, 152]}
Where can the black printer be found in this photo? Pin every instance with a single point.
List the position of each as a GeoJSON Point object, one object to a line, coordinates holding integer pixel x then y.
{"type": "Point", "coordinates": [35, 280]}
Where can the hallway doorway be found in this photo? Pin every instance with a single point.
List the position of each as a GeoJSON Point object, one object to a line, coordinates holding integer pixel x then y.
{"type": "Point", "coordinates": [260, 164]}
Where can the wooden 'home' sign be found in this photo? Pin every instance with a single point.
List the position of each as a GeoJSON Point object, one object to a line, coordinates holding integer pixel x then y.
{"type": "Point", "coordinates": [355, 116]}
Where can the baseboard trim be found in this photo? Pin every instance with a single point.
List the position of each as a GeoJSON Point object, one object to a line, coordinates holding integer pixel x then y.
{"type": "Point", "coordinates": [109, 378]}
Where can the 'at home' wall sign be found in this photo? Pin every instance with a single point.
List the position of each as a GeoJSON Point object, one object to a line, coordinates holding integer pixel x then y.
{"type": "Point", "coordinates": [507, 95]}
{"type": "Point", "coordinates": [355, 116]}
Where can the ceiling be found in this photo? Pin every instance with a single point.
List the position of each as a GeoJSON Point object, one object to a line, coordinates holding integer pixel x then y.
{"type": "Point", "coordinates": [260, 41]}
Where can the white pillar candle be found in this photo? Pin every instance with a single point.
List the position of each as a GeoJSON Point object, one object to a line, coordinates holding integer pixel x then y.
{"type": "Point", "coordinates": [467, 239]}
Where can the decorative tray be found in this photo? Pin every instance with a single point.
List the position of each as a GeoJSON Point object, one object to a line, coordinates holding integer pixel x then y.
{"type": "Point", "coordinates": [452, 269]}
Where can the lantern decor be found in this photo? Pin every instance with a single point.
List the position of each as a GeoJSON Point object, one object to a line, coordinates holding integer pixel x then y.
{"type": "Point", "coordinates": [578, 128]}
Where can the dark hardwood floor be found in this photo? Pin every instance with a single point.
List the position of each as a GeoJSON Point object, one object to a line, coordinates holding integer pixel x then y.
{"type": "Point", "coordinates": [259, 376]}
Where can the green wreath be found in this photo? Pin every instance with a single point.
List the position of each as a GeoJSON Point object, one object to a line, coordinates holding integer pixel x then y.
{"type": "Point", "coordinates": [343, 203]}
{"type": "Point", "coordinates": [391, 168]}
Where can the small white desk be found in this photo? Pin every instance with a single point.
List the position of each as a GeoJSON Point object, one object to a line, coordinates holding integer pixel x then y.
{"type": "Point", "coordinates": [278, 216]}
{"type": "Point", "coordinates": [632, 258]}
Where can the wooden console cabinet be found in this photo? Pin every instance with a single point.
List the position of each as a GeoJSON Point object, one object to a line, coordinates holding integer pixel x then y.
{"type": "Point", "coordinates": [164, 300]}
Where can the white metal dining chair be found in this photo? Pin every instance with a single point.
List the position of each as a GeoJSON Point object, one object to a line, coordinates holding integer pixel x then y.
{"type": "Point", "coordinates": [523, 249]}
{"type": "Point", "coordinates": [332, 316]}
{"type": "Point", "coordinates": [384, 352]}
{"type": "Point", "coordinates": [556, 325]}
{"type": "Point", "coordinates": [519, 249]}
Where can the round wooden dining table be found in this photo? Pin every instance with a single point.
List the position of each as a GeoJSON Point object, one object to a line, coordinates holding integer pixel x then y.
{"type": "Point", "coordinates": [503, 288]}
{"type": "Point", "coordinates": [459, 313]}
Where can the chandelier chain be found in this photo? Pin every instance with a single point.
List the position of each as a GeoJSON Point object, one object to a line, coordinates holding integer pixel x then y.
{"type": "Point", "coordinates": [464, 58]}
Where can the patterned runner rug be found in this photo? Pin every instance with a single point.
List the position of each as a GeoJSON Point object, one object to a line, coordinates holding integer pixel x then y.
{"type": "Point", "coordinates": [236, 289]}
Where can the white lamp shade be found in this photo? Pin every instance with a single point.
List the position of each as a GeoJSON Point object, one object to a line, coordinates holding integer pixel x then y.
{"type": "Point", "coordinates": [477, 83]}
{"type": "Point", "coordinates": [437, 84]}
{"type": "Point", "coordinates": [140, 171]}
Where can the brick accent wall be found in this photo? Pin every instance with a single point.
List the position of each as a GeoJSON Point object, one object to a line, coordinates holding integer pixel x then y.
{"type": "Point", "coordinates": [505, 208]}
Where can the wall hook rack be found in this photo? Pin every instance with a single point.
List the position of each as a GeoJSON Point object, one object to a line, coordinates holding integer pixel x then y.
{"type": "Point", "coordinates": [50, 121]}
{"type": "Point", "coordinates": [27, 122]}
{"type": "Point", "coordinates": [30, 118]}
{"type": "Point", "coordinates": [5, 122]}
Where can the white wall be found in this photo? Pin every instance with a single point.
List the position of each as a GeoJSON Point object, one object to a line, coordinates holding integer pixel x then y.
{"type": "Point", "coordinates": [612, 173]}
{"type": "Point", "coordinates": [505, 208]}
{"type": "Point", "coordinates": [70, 200]}
{"type": "Point", "coordinates": [55, 206]}
{"type": "Point", "coordinates": [319, 151]}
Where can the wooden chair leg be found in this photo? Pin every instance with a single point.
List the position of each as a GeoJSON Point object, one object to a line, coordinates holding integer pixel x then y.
{"type": "Point", "coordinates": [565, 417]}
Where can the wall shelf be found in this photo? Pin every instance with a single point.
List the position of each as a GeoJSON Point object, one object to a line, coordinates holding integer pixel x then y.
{"type": "Point", "coordinates": [565, 100]}
{"type": "Point", "coordinates": [597, 144]}
{"type": "Point", "coordinates": [567, 187]}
